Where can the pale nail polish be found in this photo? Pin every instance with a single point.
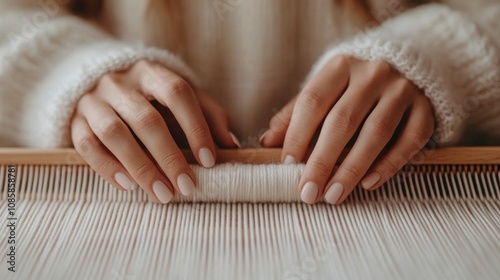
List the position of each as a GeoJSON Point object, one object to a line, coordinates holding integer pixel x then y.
{"type": "Point", "coordinates": [369, 181]}
{"type": "Point", "coordinates": [263, 136]}
{"type": "Point", "coordinates": [206, 157]}
{"type": "Point", "coordinates": [162, 192]}
{"type": "Point", "coordinates": [124, 181]}
{"type": "Point", "coordinates": [185, 184]}
{"type": "Point", "coordinates": [289, 160]}
{"type": "Point", "coordinates": [235, 140]}
{"type": "Point", "coordinates": [334, 193]}
{"type": "Point", "coordinates": [309, 193]}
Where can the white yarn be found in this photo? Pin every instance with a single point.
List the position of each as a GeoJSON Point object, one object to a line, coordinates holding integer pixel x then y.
{"type": "Point", "coordinates": [246, 183]}
{"type": "Point", "coordinates": [432, 222]}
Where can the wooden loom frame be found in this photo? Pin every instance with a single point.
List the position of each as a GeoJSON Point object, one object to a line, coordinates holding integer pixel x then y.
{"type": "Point", "coordinates": [403, 215]}
{"type": "Point", "coordinates": [442, 156]}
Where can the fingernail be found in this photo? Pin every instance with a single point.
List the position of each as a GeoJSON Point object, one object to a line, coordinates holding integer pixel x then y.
{"type": "Point", "coordinates": [185, 184]}
{"type": "Point", "coordinates": [235, 140]}
{"type": "Point", "coordinates": [124, 181]}
{"type": "Point", "coordinates": [334, 193]}
{"type": "Point", "coordinates": [261, 139]}
{"type": "Point", "coordinates": [309, 193]}
{"type": "Point", "coordinates": [206, 157]}
{"type": "Point", "coordinates": [162, 192]}
{"type": "Point", "coordinates": [369, 181]}
{"type": "Point", "coordinates": [289, 160]}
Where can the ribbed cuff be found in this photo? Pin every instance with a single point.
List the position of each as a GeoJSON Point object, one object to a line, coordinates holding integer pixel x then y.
{"type": "Point", "coordinates": [439, 50]}
{"type": "Point", "coordinates": [85, 56]}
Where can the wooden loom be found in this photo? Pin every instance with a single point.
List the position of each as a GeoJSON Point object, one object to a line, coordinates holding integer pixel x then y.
{"type": "Point", "coordinates": [438, 219]}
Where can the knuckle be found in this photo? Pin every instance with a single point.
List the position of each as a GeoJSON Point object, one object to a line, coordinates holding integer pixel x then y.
{"type": "Point", "coordinates": [84, 144]}
{"type": "Point", "coordinates": [339, 62]}
{"type": "Point", "coordinates": [343, 60]}
{"type": "Point", "coordinates": [112, 83]}
{"type": "Point", "coordinates": [109, 129]}
{"type": "Point", "coordinates": [419, 134]}
{"type": "Point", "coordinates": [381, 128]}
{"type": "Point", "coordinates": [143, 64]}
{"type": "Point", "coordinates": [350, 170]}
{"type": "Point", "coordinates": [199, 132]}
{"type": "Point", "coordinates": [110, 80]}
{"type": "Point", "coordinates": [294, 143]}
{"type": "Point", "coordinates": [321, 168]}
{"type": "Point", "coordinates": [383, 66]}
{"type": "Point", "coordinates": [85, 100]}
{"type": "Point", "coordinates": [171, 161]}
{"type": "Point", "coordinates": [105, 168]}
{"type": "Point", "coordinates": [148, 118]}
{"type": "Point", "coordinates": [178, 88]}
{"type": "Point", "coordinates": [390, 165]}
{"type": "Point", "coordinates": [311, 99]}
{"type": "Point", "coordinates": [403, 88]}
{"type": "Point", "coordinates": [379, 68]}
{"type": "Point", "coordinates": [345, 119]}
{"type": "Point", "coordinates": [144, 171]}
{"type": "Point", "coordinates": [128, 103]}
{"type": "Point", "coordinates": [404, 85]}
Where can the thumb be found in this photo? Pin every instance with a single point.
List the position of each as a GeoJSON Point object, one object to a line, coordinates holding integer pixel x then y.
{"type": "Point", "coordinates": [275, 135]}
{"type": "Point", "coordinates": [218, 122]}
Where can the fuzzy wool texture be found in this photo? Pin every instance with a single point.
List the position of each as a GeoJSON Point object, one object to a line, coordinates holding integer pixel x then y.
{"type": "Point", "coordinates": [252, 57]}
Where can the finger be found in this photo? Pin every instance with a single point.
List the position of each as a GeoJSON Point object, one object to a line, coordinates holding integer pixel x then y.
{"type": "Point", "coordinates": [116, 136]}
{"type": "Point", "coordinates": [313, 104]}
{"type": "Point", "coordinates": [172, 124]}
{"type": "Point", "coordinates": [218, 122]}
{"type": "Point", "coordinates": [149, 126]}
{"type": "Point", "coordinates": [339, 127]}
{"type": "Point", "coordinates": [98, 157]}
{"type": "Point", "coordinates": [176, 94]}
{"type": "Point", "coordinates": [275, 135]}
{"type": "Point", "coordinates": [376, 132]}
{"type": "Point", "coordinates": [415, 135]}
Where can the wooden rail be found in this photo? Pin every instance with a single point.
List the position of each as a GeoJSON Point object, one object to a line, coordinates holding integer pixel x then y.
{"type": "Point", "coordinates": [454, 155]}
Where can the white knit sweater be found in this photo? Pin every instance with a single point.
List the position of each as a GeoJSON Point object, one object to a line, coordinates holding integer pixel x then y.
{"type": "Point", "coordinates": [251, 56]}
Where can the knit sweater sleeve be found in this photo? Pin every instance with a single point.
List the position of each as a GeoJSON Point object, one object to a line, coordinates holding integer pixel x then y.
{"type": "Point", "coordinates": [48, 59]}
{"type": "Point", "coordinates": [451, 53]}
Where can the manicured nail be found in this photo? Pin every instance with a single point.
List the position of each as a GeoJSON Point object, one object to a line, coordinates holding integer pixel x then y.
{"type": "Point", "coordinates": [369, 181]}
{"type": "Point", "coordinates": [162, 192]}
{"type": "Point", "coordinates": [309, 193]}
{"type": "Point", "coordinates": [124, 181]}
{"type": "Point", "coordinates": [206, 157]}
{"type": "Point", "coordinates": [289, 160]}
{"type": "Point", "coordinates": [185, 184]}
{"type": "Point", "coordinates": [334, 193]}
{"type": "Point", "coordinates": [235, 140]}
{"type": "Point", "coordinates": [263, 137]}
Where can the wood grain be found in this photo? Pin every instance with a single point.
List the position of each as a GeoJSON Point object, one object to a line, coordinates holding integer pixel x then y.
{"type": "Point", "coordinates": [454, 155]}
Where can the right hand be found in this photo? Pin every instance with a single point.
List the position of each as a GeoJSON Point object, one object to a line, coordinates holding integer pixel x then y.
{"type": "Point", "coordinates": [116, 118]}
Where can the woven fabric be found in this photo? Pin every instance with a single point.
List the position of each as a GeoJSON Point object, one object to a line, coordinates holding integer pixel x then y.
{"type": "Point", "coordinates": [430, 222]}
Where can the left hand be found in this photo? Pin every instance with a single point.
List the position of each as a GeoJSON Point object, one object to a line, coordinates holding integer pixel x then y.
{"type": "Point", "coordinates": [345, 97]}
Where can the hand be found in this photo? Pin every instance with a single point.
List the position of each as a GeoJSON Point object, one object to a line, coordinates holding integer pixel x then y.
{"type": "Point", "coordinates": [116, 119]}
{"type": "Point", "coordinates": [349, 96]}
